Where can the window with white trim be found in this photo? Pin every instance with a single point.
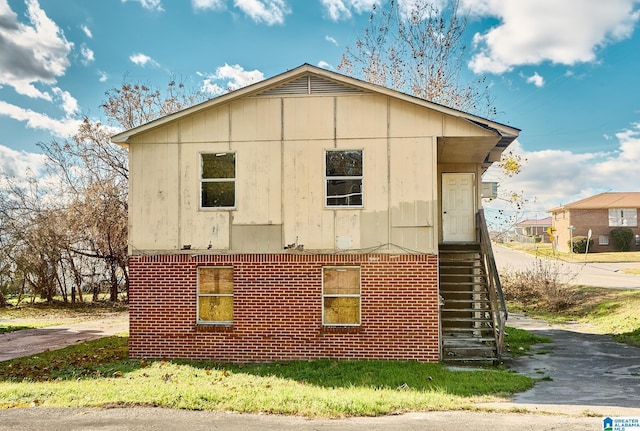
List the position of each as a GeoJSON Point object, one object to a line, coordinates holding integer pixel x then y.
{"type": "Point", "coordinates": [603, 240]}
{"type": "Point", "coordinates": [343, 178]}
{"type": "Point", "coordinates": [341, 296]}
{"type": "Point", "coordinates": [218, 180]}
{"type": "Point", "coordinates": [623, 217]}
{"type": "Point", "coordinates": [215, 295]}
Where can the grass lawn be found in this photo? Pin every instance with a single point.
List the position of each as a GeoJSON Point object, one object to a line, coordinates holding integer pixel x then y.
{"type": "Point", "coordinates": [99, 373]}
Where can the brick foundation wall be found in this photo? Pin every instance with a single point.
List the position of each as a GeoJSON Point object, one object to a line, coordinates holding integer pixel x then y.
{"type": "Point", "coordinates": [278, 309]}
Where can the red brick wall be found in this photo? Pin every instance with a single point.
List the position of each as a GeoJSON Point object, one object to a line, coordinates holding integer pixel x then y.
{"type": "Point", "coordinates": [598, 221]}
{"type": "Point", "coordinates": [278, 309]}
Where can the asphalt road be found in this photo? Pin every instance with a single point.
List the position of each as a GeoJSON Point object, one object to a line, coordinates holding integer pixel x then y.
{"type": "Point", "coordinates": [606, 275]}
{"type": "Point", "coordinates": [140, 419]}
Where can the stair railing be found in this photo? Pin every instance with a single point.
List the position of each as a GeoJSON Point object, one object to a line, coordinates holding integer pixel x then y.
{"type": "Point", "coordinates": [499, 312]}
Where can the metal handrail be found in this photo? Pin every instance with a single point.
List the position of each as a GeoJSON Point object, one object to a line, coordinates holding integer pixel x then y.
{"type": "Point", "coordinates": [499, 313]}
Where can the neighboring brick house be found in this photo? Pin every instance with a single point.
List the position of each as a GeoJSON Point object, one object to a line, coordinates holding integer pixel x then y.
{"type": "Point", "coordinates": [534, 228]}
{"type": "Point", "coordinates": [300, 218]}
{"type": "Point", "coordinates": [600, 214]}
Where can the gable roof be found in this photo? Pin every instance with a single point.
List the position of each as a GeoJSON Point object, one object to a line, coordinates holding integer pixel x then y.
{"type": "Point", "coordinates": [308, 79]}
{"type": "Point", "coordinates": [604, 201]}
{"type": "Point", "coordinates": [541, 222]}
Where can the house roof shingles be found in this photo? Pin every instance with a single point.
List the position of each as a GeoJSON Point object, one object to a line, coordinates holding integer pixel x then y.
{"type": "Point", "coordinates": [604, 201]}
{"type": "Point", "coordinates": [541, 222]}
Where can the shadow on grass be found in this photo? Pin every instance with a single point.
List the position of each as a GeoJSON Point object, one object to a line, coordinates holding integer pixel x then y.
{"type": "Point", "coordinates": [108, 358]}
{"type": "Point", "coordinates": [97, 358]}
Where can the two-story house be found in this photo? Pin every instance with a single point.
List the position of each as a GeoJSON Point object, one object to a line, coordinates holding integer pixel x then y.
{"type": "Point", "coordinates": [305, 217]}
{"type": "Point", "coordinates": [599, 214]}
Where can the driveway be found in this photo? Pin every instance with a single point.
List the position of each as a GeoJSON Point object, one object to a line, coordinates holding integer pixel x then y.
{"type": "Point", "coordinates": [32, 341]}
{"type": "Point", "coordinates": [579, 371]}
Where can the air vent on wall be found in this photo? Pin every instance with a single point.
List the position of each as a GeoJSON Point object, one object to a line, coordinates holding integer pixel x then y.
{"type": "Point", "coordinates": [310, 85]}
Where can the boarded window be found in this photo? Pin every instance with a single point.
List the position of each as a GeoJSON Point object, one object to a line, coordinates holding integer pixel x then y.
{"type": "Point", "coordinates": [343, 177]}
{"type": "Point", "coordinates": [341, 296]}
{"type": "Point", "coordinates": [218, 180]}
{"type": "Point", "coordinates": [623, 217]}
{"type": "Point", "coordinates": [215, 295]}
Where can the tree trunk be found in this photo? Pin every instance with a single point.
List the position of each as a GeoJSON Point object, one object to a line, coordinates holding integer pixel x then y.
{"type": "Point", "coordinates": [114, 282]}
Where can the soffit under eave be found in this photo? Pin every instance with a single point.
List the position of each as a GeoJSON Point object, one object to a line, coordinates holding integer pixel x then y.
{"type": "Point", "coordinates": [465, 149]}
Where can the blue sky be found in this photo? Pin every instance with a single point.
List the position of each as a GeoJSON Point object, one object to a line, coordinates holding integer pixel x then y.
{"type": "Point", "coordinates": [565, 72]}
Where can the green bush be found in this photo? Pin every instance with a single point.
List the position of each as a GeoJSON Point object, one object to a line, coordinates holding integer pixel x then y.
{"type": "Point", "coordinates": [621, 238]}
{"type": "Point", "coordinates": [580, 244]}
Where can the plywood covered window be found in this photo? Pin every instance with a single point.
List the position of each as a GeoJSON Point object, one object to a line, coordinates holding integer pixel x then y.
{"type": "Point", "coordinates": [343, 177]}
{"type": "Point", "coordinates": [215, 295]}
{"type": "Point", "coordinates": [341, 296]}
{"type": "Point", "coordinates": [218, 180]}
{"type": "Point", "coordinates": [623, 217]}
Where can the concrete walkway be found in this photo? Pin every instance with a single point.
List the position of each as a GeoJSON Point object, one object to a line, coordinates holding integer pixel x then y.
{"type": "Point", "coordinates": [579, 371]}
{"type": "Point", "coordinates": [32, 341]}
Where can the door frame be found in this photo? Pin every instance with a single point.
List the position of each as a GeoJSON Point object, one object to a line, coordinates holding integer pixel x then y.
{"type": "Point", "coordinates": [473, 207]}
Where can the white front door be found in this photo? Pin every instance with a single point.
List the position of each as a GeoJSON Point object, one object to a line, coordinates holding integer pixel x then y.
{"type": "Point", "coordinates": [458, 207]}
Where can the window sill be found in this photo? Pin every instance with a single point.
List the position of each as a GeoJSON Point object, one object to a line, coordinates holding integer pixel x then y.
{"type": "Point", "coordinates": [341, 329]}
{"type": "Point", "coordinates": [202, 327]}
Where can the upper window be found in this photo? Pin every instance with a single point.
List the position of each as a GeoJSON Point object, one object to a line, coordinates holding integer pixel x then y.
{"type": "Point", "coordinates": [218, 180]}
{"type": "Point", "coordinates": [215, 295]}
{"type": "Point", "coordinates": [341, 296]}
{"type": "Point", "coordinates": [623, 217]}
{"type": "Point", "coordinates": [343, 174]}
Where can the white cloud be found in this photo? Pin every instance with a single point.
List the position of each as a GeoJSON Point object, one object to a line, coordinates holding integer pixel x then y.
{"type": "Point", "coordinates": [87, 54]}
{"type": "Point", "coordinates": [550, 178]}
{"type": "Point", "coordinates": [65, 128]}
{"type": "Point", "coordinates": [19, 164]}
{"type": "Point", "coordinates": [338, 10]}
{"type": "Point", "coordinates": [103, 76]}
{"type": "Point", "coordinates": [35, 52]}
{"type": "Point", "coordinates": [208, 4]}
{"type": "Point", "coordinates": [235, 77]}
{"type": "Point", "coordinates": [325, 65]}
{"type": "Point", "coordinates": [87, 31]}
{"type": "Point", "coordinates": [331, 40]}
{"type": "Point", "coordinates": [154, 5]}
{"type": "Point", "coordinates": [534, 31]}
{"type": "Point", "coordinates": [69, 103]}
{"type": "Point", "coordinates": [268, 11]}
{"type": "Point", "coordinates": [536, 80]}
{"type": "Point", "coordinates": [143, 60]}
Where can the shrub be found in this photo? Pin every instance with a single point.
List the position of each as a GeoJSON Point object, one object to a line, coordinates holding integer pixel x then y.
{"type": "Point", "coordinates": [621, 238]}
{"type": "Point", "coordinates": [539, 286]}
{"type": "Point", "coordinates": [580, 244]}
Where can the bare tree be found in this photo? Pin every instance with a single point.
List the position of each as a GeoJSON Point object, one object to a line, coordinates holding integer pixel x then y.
{"type": "Point", "coordinates": [96, 175]}
{"type": "Point", "coordinates": [418, 49]}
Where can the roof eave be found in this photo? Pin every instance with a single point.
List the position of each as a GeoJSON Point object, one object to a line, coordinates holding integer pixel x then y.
{"type": "Point", "coordinates": [508, 133]}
